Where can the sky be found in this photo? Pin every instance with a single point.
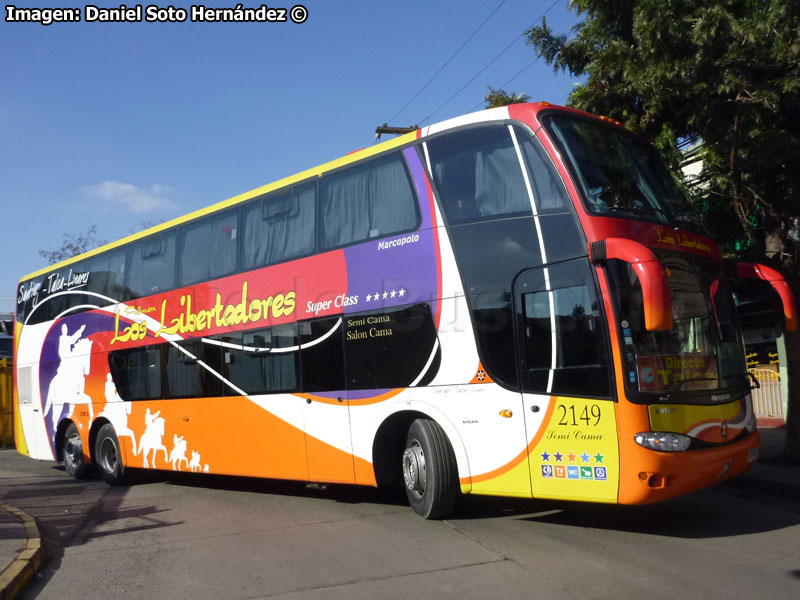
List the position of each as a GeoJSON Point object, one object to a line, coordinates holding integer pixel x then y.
{"type": "Point", "coordinates": [125, 125]}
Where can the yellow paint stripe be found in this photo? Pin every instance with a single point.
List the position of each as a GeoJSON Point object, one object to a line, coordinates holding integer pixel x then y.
{"type": "Point", "coordinates": [19, 432]}
{"type": "Point", "coordinates": [281, 183]}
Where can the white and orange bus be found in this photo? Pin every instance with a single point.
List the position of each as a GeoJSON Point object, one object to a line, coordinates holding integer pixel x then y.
{"type": "Point", "coordinates": [516, 302]}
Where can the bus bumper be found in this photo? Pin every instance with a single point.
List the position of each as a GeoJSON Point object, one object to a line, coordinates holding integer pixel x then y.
{"type": "Point", "coordinates": [648, 476]}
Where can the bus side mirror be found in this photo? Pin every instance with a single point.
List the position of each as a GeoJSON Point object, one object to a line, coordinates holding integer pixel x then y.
{"type": "Point", "coordinates": [656, 296]}
{"type": "Point", "coordinates": [745, 270]}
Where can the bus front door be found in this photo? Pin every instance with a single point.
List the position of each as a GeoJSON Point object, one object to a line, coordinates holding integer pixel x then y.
{"type": "Point", "coordinates": [564, 370]}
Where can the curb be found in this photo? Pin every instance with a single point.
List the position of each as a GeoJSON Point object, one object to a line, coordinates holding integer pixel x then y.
{"type": "Point", "coordinates": [28, 561]}
{"type": "Point", "coordinates": [770, 422]}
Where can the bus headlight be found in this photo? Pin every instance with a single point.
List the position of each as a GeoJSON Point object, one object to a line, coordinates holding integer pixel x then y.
{"type": "Point", "coordinates": [663, 441]}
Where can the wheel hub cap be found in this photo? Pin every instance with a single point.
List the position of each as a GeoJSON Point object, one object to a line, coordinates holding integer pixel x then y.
{"type": "Point", "coordinates": [414, 468]}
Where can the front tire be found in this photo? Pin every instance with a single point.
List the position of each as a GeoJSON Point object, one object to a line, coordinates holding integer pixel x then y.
{"type": "Point", "coordinates": [429, 470]}
{"type": "Point", "coordinates": [108, 456]}
{"type": "Point", "coordinates": [75, 463]}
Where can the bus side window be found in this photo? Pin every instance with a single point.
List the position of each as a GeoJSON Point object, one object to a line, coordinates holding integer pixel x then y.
{"type": "Point", "coordinates": [477, 173]}
{"type": "Point", "coordinates": [268, 361]}
{"type": "Point", "coordinates": [279, 227]}
{"type": "Point", "coordinates": [97, 281]}
{"type": "Point", "coordinates": [152, 265]}
{"type": "Point", "coordinates": [368, 200]}
{"type": "Point", "coordinates": [107, 274]}
{"type": "Point", "coordinates": [186, 377]}
{"type": "Point", "coordinates": [322, 355]}
{"type": "Point", "coordinates": [137, 372]}
{"type": "Point", "coordinates": [207, 249]}
{"type": "Point", "coordinates": [548, 190]}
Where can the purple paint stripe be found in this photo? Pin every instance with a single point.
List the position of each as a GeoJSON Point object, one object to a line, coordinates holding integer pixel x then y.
{"type": "Point", "coordinates": [365, 394]}
{"type": "Point", "coordinates": [420, 182]}
{"type": "Point", "coordinates": [352, 395]}
{"type": "Point", "coordinates": [420, 178]}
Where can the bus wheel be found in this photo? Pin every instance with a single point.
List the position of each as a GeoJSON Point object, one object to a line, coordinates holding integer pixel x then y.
{"type": "Point", "coordinates": [107, 455]}
{"type": "Point", "coordinates": [72, 454]}
{"type": "Point", "coordinates": [429, 470]}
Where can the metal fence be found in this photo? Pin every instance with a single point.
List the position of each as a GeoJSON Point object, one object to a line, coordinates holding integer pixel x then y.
{"type": "Point", "coordinates": [6, 403]}
{"type": "Point", "coordinates": [767, 398]}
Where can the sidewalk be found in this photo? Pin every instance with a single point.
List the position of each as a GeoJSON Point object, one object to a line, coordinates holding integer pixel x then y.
{"type": "Point", "coordinates": [20, 550]}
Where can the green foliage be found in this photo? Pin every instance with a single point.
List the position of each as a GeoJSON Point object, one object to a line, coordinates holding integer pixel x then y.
{"type": "Point", "coordinates": [497, 98]}
{"type": "Point", "coordinates": [726, 72]}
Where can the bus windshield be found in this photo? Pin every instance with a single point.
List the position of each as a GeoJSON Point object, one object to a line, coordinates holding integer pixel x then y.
{"type": "Point", "coordinates": [703, 351]}
{"type": "Point", "coordinates": [619, 174]}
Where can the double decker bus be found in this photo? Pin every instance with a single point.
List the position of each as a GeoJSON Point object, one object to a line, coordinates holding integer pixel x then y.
{"type": "Point", "coordinates": [516, 302]}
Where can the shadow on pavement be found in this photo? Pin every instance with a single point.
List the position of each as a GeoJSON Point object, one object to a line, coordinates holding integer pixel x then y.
{"type": "Point", "coordinates": [347, 494]}
{"type": "Point", "coordinates": [73, 512]}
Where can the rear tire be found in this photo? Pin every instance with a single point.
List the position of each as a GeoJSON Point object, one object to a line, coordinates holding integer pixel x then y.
{"type": "Point", "coordinates": [429, 470]}
{"type": "Point", "coordinates": [108, 456]}
{"type": "Point", "coordinates": [75, 463]}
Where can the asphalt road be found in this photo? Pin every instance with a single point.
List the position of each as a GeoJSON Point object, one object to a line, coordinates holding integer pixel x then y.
{"type": "Point", "coordinates": [211, 537]}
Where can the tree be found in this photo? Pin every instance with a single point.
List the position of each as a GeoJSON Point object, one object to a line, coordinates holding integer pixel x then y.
{"type": "Point", "coordinates": [145, 224]}
{"type": "Point", "coordinates": [724, 73]}
{"type": "Point", "coordinates": [72, 245]}
{"type": "Point", "coordinates": [497, 98]}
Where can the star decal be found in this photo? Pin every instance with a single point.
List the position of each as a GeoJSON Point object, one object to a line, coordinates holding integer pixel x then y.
{"type": "Point", "coordinates": [599, 458]}
{"type": "Point", "coordinates": [571, 456]}
{"type": "Point", "coordinates": [545, 456]}
{"type": "Point", "coordinates": [585, 457]}
{"type": "Point", "coordinates": [394, 293]}
{"type": "Point", "coordinates": [558, 456]}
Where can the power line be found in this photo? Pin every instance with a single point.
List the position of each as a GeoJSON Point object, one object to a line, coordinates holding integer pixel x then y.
{"type": "Point", "coordinates": [447, 62]}
{"type": "Point", "coordinates": [490, 63]}
{"type": "Point", "coordinates": [463, 87]}
{"type": "Point", "coordinates": [564, 97]}
{"type": "Point", "coordinates": [503, 87]}
{"type": "Point", "coordinates": [530, 64]}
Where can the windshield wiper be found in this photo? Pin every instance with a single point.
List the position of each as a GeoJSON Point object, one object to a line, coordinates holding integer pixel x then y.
{"type": "Point", "coordinates": [756, 384]}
